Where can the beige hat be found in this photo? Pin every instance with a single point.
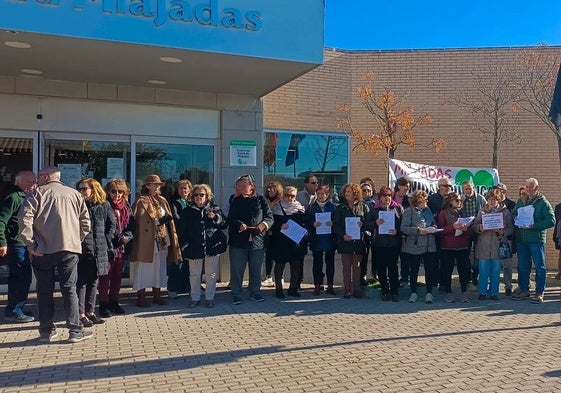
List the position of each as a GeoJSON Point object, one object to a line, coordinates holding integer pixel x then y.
{"type": "Point", "coordinates": [153, 179]}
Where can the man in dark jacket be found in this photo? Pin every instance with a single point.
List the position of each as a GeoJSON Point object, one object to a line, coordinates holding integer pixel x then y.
{"type": "Point", "coordinates": [13, 248]}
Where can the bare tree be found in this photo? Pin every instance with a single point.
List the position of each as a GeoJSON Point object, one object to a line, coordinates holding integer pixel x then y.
{"type": "Point", "coordinates": [326, 148]}
{"type": "Point", "coordinates": [395, 122]}
{"type": "Point", "coordinates": [493, 107]}
{"type": "Point", "coordinates": [537, 71]}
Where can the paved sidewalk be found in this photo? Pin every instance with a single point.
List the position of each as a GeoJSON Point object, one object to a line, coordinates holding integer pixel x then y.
{"type": "Point", "coordinates": [312, 344]}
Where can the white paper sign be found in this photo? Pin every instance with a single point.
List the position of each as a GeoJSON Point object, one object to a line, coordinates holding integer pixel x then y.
{"type": "Point", "coordinates": [389, 222]}
{"type": "Point", "coordinates": [525, 216]}
{"type": "Point", "coordinates": [294, 231]}
{"type": "Point", "coordinates": [464, 220]}
{"type": "Point", "coordinates": [323, 218]}
{"type": "Point", "coordinates": [492, 221]}
{"type": "Point", "coordinates": [351, 227]}
{"type": "Point", "coordinates": [115, 168]}
{"type": "Point", "coordinates": [70, 174]}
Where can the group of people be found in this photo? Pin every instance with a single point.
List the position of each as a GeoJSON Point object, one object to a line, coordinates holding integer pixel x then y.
{"type": "Point", "coordinates": [85, 235]}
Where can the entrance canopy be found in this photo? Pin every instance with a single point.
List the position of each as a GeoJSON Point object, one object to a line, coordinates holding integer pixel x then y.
{"type": "Point", "coordinates": [228, 46]}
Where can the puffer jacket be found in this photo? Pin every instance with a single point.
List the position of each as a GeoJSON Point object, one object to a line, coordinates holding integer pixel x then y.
{"type": "Point", "coordinates": [98, 244]}
{"type": "Point", "coordinates": [327, 242]}
{"type": "Point", "coordinates": [415, 243]}
{"type": "Point", "coordinates": [199, 235]}
{"type": "Point", "coordinates": [487, 246]}
{"type": "Point", "coordinates": [370, 225]}
{"type": "Point", "coordinates": [342, 211]}
{"type": "Point", "coordinates": [544, 218]}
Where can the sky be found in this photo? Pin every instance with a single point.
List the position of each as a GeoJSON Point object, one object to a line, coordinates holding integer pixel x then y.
{"type": "Point", "coordinates": [437, 24]}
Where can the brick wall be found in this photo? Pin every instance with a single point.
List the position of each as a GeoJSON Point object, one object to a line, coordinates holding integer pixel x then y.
{"type": "Point", "coordinates": [430, 78]}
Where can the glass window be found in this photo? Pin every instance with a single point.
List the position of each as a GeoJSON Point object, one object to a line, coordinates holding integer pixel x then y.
{"type": "Point", "coordinates": [16, 154]}
{"type": "Point", "coordinates": [291, 156]}
{"type": "Point", "coordinates": [100, 160]}
{"type": "Point", "coordinates": [173, 162]}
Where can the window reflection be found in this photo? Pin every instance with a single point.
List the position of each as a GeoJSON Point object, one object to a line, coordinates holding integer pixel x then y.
{"type": "Point", "coordinates": [290, 156]}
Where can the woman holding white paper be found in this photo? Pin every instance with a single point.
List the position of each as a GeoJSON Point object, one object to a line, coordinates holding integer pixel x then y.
{"type": "Point", "coordinates": [347, 225]}
{"type": "Point", "coordinates": [322, 245]}
{"type": "Point", "coordinates": [283, 248]}
{"type": "Point", "coordinates": [454, 246]}
{"type": "Point", "coordinates": [387, 242]}
{"type": "Point", "coordinates": [487, 247]}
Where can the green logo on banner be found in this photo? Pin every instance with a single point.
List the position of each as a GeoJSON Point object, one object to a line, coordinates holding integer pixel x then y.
{"type": "Point", "coordinates": [481, 178]}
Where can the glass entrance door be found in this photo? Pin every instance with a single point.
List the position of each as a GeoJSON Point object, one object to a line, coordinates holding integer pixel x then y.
{"type": "Point", "coordinates": [16, 154]}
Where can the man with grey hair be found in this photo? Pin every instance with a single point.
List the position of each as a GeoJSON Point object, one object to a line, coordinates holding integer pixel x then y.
{"type": "Point", "coordinates": [53, 221]}
{"type": "Point", "coordinates": [530, 237]}
{"type": "Point", "coordinates": [13, 248]}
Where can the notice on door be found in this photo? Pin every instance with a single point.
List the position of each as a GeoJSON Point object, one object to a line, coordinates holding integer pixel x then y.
{"type": "Point", "coordinates": [243, 153]}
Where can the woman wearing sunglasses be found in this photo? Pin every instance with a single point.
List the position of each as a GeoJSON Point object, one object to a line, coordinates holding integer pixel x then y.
{"type": "Point", "coordinates": [97, 249]}
{"type": "Point", "coordinates": [200, 228]}
{"type": "Point", "coordinates": [109, 285]}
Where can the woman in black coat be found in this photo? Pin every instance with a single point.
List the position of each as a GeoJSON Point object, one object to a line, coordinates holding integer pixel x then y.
{"type": "Point", "coordinates": [283, 248]}
{"type": "Point", "coordinates": [202, 241]}
{"type": "Point", "coordinates": [97, 248]}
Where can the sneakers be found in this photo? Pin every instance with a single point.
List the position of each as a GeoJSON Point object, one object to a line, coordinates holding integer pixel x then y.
{"type": "Point", "coordinates": [268, 282]}
{"type": "Point", "coordinates": [449, 298]}
{"type": "Point", "coordinates": [172, 295]}
{"type": "Point", "coordinates": [194, 303]}
{"type": "Point", "coordinates": [537, 299]}
{"type": "Point", "coordinates": [257, 298]}
{"type": "Point", "coordinates": [210, 304]}
{"type": "Point", "coordinates": [518, 295]}
{"type": "Point", "coordinates": [48, 337]}
{"type": "Point", "coordinates": [413, 298]}
{"type": "Point", "coordinates": [22, 318]}
{"type": "Point", "coordinates": [429, 298]}
{"type": "Point", "coordinates": [236, 300]}
{"type": "Point", "coordinates": [465, 298]}
{"type": "Point", "coordinates": [81, 336]}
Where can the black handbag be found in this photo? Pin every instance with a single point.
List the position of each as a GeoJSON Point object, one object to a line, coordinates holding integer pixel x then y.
{"type": "Point", "coordinates": [505, 251]}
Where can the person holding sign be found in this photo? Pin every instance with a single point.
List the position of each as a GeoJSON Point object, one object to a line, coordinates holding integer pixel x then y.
{"type": "Point", "coordinates": [384, 222]}
{"type": "Point", "coordinates": [493, 224]}
{"type": "Point", "coordinates": [322, 240]}
{"type": "Point", "coordinates": [530, 240]}
{"type": "Point", "coordinates": [287, 244]}
{"type": "Point", "coordinates": [347, 224]}
{"type": "Point", "coordinates": [455, 245]}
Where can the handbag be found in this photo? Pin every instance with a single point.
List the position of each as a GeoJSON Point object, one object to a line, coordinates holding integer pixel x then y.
{"type": "Point", "coordinates": [505, 250]}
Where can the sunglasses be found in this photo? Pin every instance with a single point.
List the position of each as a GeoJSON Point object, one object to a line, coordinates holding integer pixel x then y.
{"type": "Point", "coordinates": [199, 194]}
{"type": "Point", "coordinates": [290, 195]}
{"type": "Point", "coordinates": [314, 182]}
{"type": "Point", "coordinates": [117, 192]}
{"type": "Point", "coordinates": [83, 189]}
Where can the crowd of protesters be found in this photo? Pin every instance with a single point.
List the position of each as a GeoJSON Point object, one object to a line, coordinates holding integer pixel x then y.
{"type": "Point", "coordinates": [89, 233]}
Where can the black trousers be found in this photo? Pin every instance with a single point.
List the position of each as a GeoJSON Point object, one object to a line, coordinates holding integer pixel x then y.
{"type": "Point", "coordinates": [294, 274]}
{"type": "Point", "coordinates": [386, 264]}
{"type": "Point", "coordinates": [461, 257]}
{"type": "Point", "coordinates": [317, 268]}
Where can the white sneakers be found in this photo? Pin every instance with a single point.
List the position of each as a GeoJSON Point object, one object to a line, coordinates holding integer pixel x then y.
{"type": "Point", "coordinates": [413, 298]}
{"type": "Point", "coordinates": [268, 282]}
{"type": "Point", "coordinates": [428, 298]}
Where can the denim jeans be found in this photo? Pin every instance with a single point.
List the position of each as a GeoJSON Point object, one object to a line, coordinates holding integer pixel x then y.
{"type": "Point", "coordinates": [66, 264]}
{"type": "Point", "coordinates": [239, 259]}
{"type": "Point", "coordinates": [489, 276]}
{"type": "Point", "coordinates": [19, 280]}
{"type": "Point", "coordinates": [528, 252]}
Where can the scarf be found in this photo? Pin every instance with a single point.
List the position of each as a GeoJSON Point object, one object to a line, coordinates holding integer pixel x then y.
{"type": "Point", "coordinates": [121, 214]}
{"type": "Point", "coordinates": [321, 205]}
{"type": "Point", "coordinates": [156, 210]}
{"type": "Point", "coordinates": [451, 213]}
{"type": "Point", "coordinates": [289, 208]}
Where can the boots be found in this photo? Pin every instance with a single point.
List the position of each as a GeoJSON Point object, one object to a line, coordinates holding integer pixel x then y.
{"type": "Point", "coordinates": [330, 290]}
{"type": "Point", "coordinates": [158, 299]}
{"type": "Point", "coordinates": [317, 290]}
{"type": "Point", "coordinates": [141, 299]}
{"type": "Point", "coordinates": [104, 310]}
{"type": "Point", "coordinates": [115, 308]}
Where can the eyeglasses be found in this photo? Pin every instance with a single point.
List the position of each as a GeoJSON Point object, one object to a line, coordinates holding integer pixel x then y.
{"type": "Point", "coordinates": [81, 189]}
{"type": "Point", "coordinates": [314, 182]}
{"type": "Point", "coordinates": [447, 185]}
{"type": "Point", "coordinates": [199, 194]}
{"type": "Point", "coordinates": [117, 192]}
{"type": "Point", "coordinates": [290, 195]}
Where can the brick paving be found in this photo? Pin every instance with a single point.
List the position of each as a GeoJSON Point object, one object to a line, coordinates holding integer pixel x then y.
{"type": "Point", "coordinates": [311, 344]}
